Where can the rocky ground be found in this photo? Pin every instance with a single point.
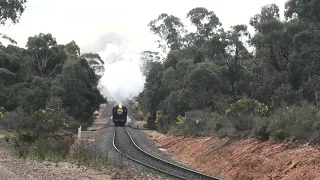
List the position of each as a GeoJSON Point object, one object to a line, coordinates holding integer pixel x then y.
{"type": "Point", "coordinates": [245, 159]}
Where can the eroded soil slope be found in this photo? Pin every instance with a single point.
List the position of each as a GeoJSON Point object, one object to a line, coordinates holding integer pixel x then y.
{"type": "Point", "coordinates": [245, 159]}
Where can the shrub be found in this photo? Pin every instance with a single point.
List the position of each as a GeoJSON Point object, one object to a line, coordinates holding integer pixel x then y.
{"type": "Point", "coordinates": [246, 106]}
{"type": "Point", "coordinates": [162, 123]}
{"type": "Point", "coordinates": [302, 122]}
{"type": "Point", "coordinates": [179, 120]}
{"type": "Point", "coordinates": [150, 121]}
{"type": "Point", "coordinates": [44, 121]}
{"type": "Point", "coordinates": [89, 154]}
{"type": "Point", "coordinates": [13, 120]}
{"type": "Point", "coordinates": [35, 135]}
{"type": "Point", "coordinates": [2, 110]}
{"type": "Point", "coordinates": [202, 122]}
{"type": "Point", "coordinates": [50, 147]}
{"type": "Point", "coordinates": [242, 113]}
{"type": "Point", "coordinates": [260, 128]}
{"type": "Point", "coordinates": [27, 136]}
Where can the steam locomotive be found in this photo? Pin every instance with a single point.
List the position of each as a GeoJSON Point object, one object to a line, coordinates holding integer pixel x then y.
{"type": "Point", "coordinates": [119, 115]}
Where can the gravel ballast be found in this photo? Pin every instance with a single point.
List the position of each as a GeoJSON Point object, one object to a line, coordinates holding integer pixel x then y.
{"type": "Point", "coordinates": [105, 145]}
{"type": "Point", "coordinates": [144, 143]}
{"type": "Point", "coordinates": [124, 143]}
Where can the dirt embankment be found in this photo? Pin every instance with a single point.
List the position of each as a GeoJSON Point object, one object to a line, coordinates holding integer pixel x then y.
{"type": "Point", "coordinates": [245, 159]}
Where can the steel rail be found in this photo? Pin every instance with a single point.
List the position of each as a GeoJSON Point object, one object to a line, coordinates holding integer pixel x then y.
{"type": "Point", "coordinates": [167, 162]}
{"type": "Point", "coordinates": [139, 162]}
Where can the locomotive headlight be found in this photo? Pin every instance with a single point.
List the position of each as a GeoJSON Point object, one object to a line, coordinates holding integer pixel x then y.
{"type": "Point", "coordinates": [120, 106]}
{"type": "Point", "coordinates": [119, 111]}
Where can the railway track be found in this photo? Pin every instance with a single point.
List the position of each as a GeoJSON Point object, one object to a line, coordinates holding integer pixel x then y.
{"type": "Point", "coordinates": [125, 145]}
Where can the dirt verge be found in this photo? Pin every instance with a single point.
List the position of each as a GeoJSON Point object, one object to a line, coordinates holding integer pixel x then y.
{"type": "Point", "coordinates": [244, 159]}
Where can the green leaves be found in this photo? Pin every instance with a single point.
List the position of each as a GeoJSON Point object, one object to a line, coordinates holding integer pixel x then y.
{"type": "Point", "coordinates": [2, 110]}
{"type": "Point", "coordinates": [46, 53]}
{"type": "Point", "coordinates": [148, 59]}
{"type": "Point", "coordinates": [95, 62]}
{"type": "Point", "coordinates": [205, 21]}
{"type": "Point", "coordinates": [72, 48]}
{"type": "Point", "coordinates": [6, 77]}
{"type": "Point", "coordinates": [11, 10]}
{"type": "Point", "coordinates": [53, 75]}
{"type": "Point", "coordinates": [306, 10]}
{"type": "Point", "coordinates": [46, 74]}
{"type": "Point", "coordinates": [44, 121]}
{"type": "Point", "coordinates": [170, 30]}
{"type": "Point", "coordinates": [41, 42]}
{"type": "Point", "coordinates": [246, 106]}
{"type": "Point", "coordinates": [210, 68]}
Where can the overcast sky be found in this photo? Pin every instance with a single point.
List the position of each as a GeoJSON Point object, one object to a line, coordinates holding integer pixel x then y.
{"type": "Point", "coordinates": [93, 24]}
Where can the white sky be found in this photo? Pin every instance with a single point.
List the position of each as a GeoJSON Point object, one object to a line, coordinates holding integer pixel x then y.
{"type": "Point", "coordinates": [84, 21]}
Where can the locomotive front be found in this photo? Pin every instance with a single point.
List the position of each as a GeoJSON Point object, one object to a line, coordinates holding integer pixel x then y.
{"type": "Point", "coordinates": [119, 115]}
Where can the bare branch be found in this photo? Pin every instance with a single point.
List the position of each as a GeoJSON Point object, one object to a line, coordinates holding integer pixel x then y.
{"type": "Point", "coordinates": [240, 64]}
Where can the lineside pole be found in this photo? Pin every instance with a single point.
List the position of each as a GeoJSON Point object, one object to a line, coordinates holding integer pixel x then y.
{"type": "Point", "coordinates": [79, 132]}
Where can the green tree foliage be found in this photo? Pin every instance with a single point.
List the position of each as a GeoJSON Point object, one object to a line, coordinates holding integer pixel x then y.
{"type": "Point", "coordinates": [251, 76]}
{"type": "Point", "coordinates": [148, 59]}
{"type": "Point", "coordinates": [150, 121]}
{"type": "Point", "coordinates": [95, 62]}
{"type": "Point", "coordinates": [247, 106]}
{"type": "Point", "coordinates": [45, 88]}
{"type": "Point", "coordinates": [44, 121]}
{"type": "Point", "coordinates": [72, 48]}
{"type": "Point", "coordinates": [2, 110]}
{"type": "Point", "coordinates": [6, 77]}
{"type": "Point", "coordinates": [50, 75]}
{"type": "Point", "coordinates": [11, 11]}
{"type": "Point", "coordinates": [47, 75]}
{"type": "Point", "coordinates": [170, 30]}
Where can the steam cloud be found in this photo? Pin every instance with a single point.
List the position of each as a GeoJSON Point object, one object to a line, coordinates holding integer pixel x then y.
{"type": "Point", "coordinates": [122, 78]}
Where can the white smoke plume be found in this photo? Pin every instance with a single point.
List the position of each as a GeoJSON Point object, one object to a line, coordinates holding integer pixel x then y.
{"type": "Point", "coordinates": [122, 78]}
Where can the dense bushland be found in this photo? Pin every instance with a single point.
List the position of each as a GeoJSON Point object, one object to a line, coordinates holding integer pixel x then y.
{"type": "Point", "coordinates": [231, 82]}
{"type": "Point", "coordinates": [46, 89]}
